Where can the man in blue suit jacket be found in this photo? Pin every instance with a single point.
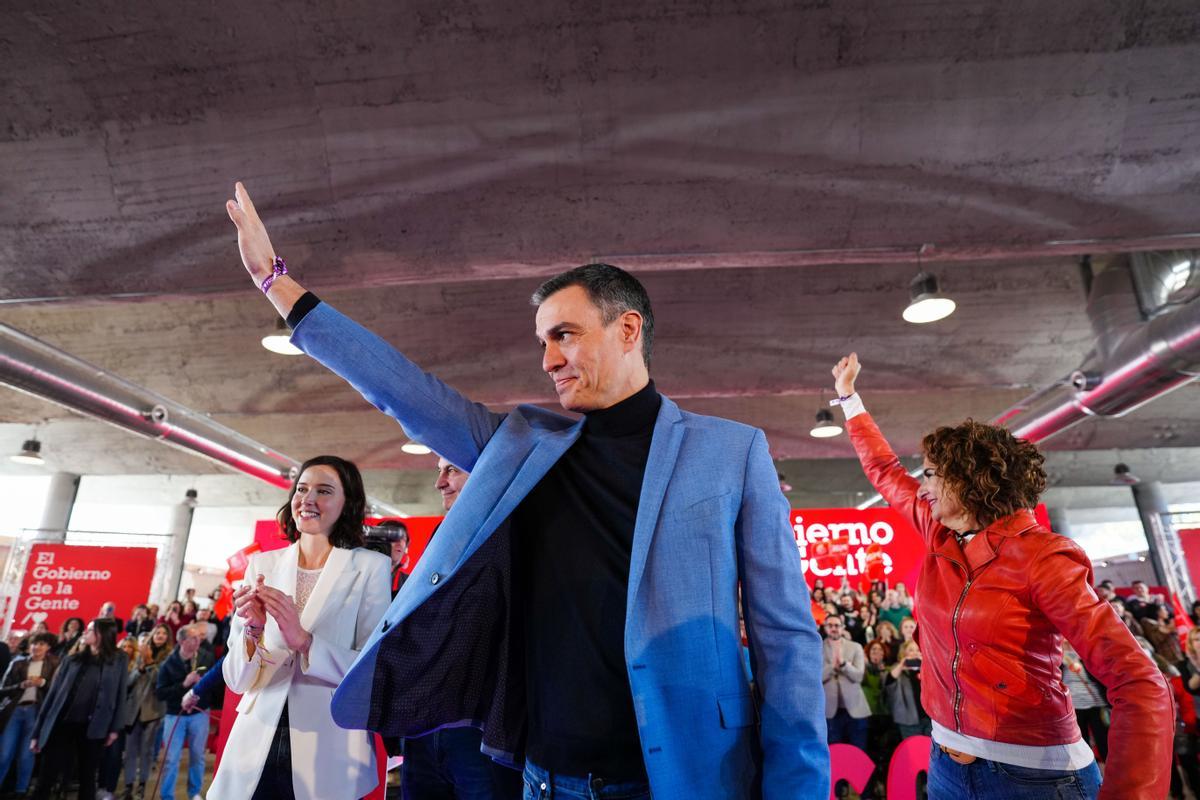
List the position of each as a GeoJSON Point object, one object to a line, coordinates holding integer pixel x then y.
{"type": "Point", "coordinates": [580, 602]}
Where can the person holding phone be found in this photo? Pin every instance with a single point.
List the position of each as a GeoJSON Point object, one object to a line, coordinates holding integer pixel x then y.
{"type": "Point", "coordinates": [179, 672]}
{"type": "Point", "coordinates": [997, 594]}
{"type": "Point", "coordinates": [902, 689]}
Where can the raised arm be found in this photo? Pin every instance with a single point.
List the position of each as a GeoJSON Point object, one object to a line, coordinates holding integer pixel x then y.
{"type": "Point", "coordinates": [258, 255]}
{"type": "Point", "coordinates": [430, 412]}
{"type": "Point", "coordinates": [879, 462]}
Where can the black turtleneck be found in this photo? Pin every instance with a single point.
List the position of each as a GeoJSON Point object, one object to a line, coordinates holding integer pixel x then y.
{"type": "Point", "coordinates": [576, 535]}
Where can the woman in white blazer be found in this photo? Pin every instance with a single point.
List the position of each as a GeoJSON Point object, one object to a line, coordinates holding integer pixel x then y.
{"type": "Point", "coordinates": [301, 616]}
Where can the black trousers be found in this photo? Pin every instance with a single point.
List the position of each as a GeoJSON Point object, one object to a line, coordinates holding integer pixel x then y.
{"type": "Point", "coordinates": [275, 783]}
{"type": "Point", "coordinates": [1092, 720]}
{"type": "Point", "coordinates": [68, 740]}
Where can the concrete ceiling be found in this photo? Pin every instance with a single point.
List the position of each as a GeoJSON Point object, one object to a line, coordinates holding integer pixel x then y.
{"type": "Point", "coordinates": [771, 171]}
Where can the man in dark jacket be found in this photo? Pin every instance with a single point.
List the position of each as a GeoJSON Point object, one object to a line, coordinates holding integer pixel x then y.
{"type": "Point", "coordinates": [449, 763]}
{"type": "Point", "coordinates": [181, 671]}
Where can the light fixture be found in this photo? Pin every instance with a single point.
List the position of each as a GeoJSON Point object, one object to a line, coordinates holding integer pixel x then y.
{"type": "Point", "coordinates": [825, 426]}
{"type": "Point", "coordinates": [415, 449]}
{"type": "Point", "coordinates": [1123, 476]}
{"type": "Point", "coordinates": [926, 303]}
{"type": "Point", "coordinates": [279, 340]}
{"type": "Point", "coordinates": [31, 453]}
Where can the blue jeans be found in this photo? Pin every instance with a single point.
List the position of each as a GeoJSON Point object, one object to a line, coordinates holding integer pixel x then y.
{"type": "Point", "coordinates": [845, 729]}
{"type": "Point", "coordinates": [14, 743]}
{"type": "Point", "coordinates": [191, 729]}
{"type": "Point", "coordinates": [991, 780]}
{"type": "Point", "coordinates": [448, 765]}
{"type": "Point", "coordinates": [540, 784]}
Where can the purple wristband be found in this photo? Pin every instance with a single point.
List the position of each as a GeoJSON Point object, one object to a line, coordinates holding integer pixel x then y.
{"type": "Point", "coordinates": [277, 268]}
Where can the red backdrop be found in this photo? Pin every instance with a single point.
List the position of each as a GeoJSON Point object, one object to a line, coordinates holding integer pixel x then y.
{"type": "Point", "coordinates": [66, 580]}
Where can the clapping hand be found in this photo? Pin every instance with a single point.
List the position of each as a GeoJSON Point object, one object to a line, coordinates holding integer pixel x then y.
{"type": "Point", "coordinates": [283, 610]}
{"type": "Point", "coordinates": [249, 606]}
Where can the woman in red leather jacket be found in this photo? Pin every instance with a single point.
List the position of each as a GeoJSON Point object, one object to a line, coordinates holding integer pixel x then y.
{"type": "Point", "coordinates": [997, 594]}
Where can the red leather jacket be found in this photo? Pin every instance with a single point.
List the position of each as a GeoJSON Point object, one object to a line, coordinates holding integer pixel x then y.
{"type": "Point", "coordinates": [992, 616]}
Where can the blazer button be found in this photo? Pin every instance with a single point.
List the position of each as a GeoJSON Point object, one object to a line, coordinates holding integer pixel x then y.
{"type": "Point", "coordinates": [434, 578]}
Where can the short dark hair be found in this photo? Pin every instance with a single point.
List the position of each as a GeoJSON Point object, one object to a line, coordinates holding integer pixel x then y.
{"type": "Point", "coordinates": [613, 290]}
{"type": "Point", "coordinates": [990, 471]}
{"type": "Point", "coordinates": [348, 530]}
{"type": "Point", "coordinates": [1135, 583]}
{"type": "Point", "coordinates": [48, 639]}
{"type": "Point", "coordinates": [398, 525]}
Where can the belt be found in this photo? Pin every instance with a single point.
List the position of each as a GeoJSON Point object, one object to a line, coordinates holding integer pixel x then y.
{"type": "Point", "coordinates": [28, 703]}
{"type": "Point", "coordinates": [958, 756]}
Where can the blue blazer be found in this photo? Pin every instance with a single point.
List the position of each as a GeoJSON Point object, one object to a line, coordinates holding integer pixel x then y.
{"type": "Point", "coordinates": [710, 516]}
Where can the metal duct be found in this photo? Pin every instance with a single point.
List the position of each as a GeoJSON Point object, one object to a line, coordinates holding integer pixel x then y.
{"type": "Point", "coordinates": [1135, 361]}
{"type": "Point", "coordinates": [1145, 311]}
{"type": "Point", "coordinates": [34, 367]}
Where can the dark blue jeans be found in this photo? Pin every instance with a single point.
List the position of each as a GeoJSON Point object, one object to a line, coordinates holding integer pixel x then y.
{"type": "Point", "coordinates": [845, 729]}
{"type": "Point", "coordinates": [541, 784]}
{"type": "Point", "coordinates": [991, 780]}
{"type": "Point", "coordinates": [14, 745]}
{"type": "Point", "coordinates": [448, 765]}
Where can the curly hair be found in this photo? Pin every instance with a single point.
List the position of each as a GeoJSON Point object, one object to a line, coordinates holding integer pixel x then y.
{"type": "Point", "coordinates": [990, 471]}
{"type": "Point", "coordinates": [347, 531]}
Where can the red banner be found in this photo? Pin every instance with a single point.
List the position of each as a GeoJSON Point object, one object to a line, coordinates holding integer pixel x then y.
{"type": "Point", "coordinates": [874, 544]}
{"type": "Point", "coordinates": [65, 580]}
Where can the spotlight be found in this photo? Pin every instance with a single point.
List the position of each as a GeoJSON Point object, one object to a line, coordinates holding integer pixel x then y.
{"type": "Point", "coordinates": [926, 303]}
{"type": "Point", "coordinates": [279, 340]}
{"type": "Point", "coordinates": [1122, 476]}
{"type": "Point", "coordinates": [415, 449]}
{"type": "Point", "coordinates": [825, 426]}
{"type": "Point", "coordinates": [31, 453]}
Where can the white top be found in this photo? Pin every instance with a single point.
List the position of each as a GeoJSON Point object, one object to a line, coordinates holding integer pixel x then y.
{"type": "Point", "coordinates": [30, 693]}
{"type": "Point", "coordinates": [306, 580]}
{"type": "Point", "coordinates": [1073, 756]}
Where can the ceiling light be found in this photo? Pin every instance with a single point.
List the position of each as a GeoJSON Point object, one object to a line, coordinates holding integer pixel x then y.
{"type": "Point", "coordinates": [415, 449]}
{"type": "Point", "coordinates": [927, 304]}
{"type": "Point", "coordinates": [31, 453]}
{"type": "Point", "coordinates": [825, 426]}
{"type": "Point", "coordinates": [279, 340]}
{"type": "Point", "coordinates": [1122, 476]}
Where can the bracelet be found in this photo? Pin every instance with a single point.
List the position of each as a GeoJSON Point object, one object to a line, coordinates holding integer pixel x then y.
{"type": "Point", "coordinates": [277, 268]}
{"type": "Point", "coordinates": [841, 400]}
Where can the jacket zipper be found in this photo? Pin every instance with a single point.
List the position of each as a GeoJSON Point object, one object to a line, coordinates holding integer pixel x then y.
{"type": "Point", "coordinates": [954, 664]}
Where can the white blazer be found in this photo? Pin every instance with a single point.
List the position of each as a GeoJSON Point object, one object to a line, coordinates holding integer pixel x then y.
{"type": "Point", "coordinates": [328, 762]}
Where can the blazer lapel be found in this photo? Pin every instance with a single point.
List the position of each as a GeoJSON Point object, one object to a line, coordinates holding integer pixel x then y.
{"type": "Point", "coordinates": [336, 565]}
{"type": "Point", "coordinates": [660, 465]}
{"type": "Point", "coordinates": [283, 576]}
{"type": "Point", "coordinates": [549, 449]}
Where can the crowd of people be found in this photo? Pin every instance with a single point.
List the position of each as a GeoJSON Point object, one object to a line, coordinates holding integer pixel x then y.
{"type": "Point", "coordinates": [91, 708]}
{"type": "Point", "coordinates": [872, 672]}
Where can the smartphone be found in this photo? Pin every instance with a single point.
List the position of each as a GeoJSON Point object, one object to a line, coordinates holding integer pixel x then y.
{"type": "Point", "coordinates": [913, 663]}
{"type": "Point", "coordinates": [202, 670]}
